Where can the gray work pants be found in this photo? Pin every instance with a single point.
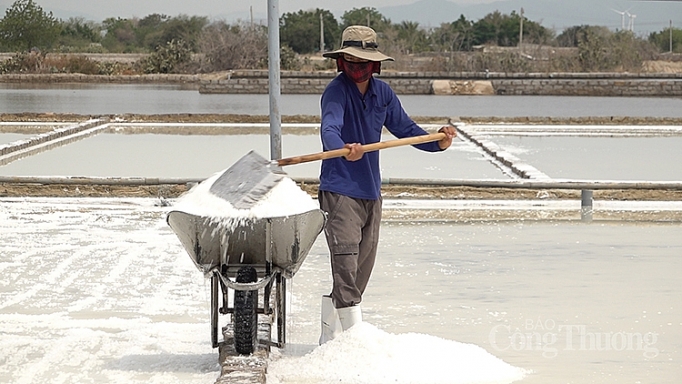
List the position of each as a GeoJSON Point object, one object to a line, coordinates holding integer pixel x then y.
{"type": "Point", "coordinates": [352, 232]}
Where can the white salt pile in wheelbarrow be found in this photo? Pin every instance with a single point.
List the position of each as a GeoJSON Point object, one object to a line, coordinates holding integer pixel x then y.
{"type": "Point", "coordinates": [284, 199]}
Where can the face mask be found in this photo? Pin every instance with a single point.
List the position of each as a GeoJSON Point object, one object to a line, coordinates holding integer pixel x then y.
{"type": "Point", "coordinates": [358, 72]}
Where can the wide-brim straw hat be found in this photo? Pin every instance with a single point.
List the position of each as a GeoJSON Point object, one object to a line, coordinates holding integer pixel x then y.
{"type": "Point", "coordinates": [361, 42]}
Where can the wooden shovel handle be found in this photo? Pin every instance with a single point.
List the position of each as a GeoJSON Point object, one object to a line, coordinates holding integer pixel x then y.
{"type": "Point", "coordinates": [367, 148]}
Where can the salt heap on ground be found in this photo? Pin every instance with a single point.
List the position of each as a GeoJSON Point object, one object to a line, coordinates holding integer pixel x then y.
{"type": "Point", "coordinates": [284, 199]}
{"type": "Point", "coordinates": [366, 354]}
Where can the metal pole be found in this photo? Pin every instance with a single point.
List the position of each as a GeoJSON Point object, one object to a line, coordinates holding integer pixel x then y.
{"type": "Point", "coordinates": [321, 33]}
{"type": "Point", "coordinates": [586, 205]}
{"type": "Point", "coordinates": [274, 80]}
{"type": "Point", "coordinates": [521, 32]}
{"type": "Point", "coordinates": [671, 36]}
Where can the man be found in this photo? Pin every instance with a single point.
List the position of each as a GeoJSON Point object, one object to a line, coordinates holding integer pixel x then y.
{"type": "Point", "coordinates": [355, 108]}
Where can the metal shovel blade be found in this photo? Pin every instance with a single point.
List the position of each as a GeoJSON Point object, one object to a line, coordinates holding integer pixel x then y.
{"type": "Point", "coordinates": [247, 181]}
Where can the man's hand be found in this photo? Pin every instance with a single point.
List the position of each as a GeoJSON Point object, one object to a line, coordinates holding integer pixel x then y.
{"type": "Point", "coordinates": [356, 152]}
{"type": "Point", "coordinates": [450, 133]}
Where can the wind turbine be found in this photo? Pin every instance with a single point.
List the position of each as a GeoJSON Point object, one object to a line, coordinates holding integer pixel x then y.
{"type": "Point", "coordinates": [631, 26]}
{"type": "Point", "coordinates": [622, 18]}
{"type": "Point", "coordinates": [632, 22]}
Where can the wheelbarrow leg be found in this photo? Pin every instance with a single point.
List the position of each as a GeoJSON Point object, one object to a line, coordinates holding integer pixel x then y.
{"type": "Point", "coordinates": [281, 298]}
{"type": "Point", "coordinates": [214, 309]}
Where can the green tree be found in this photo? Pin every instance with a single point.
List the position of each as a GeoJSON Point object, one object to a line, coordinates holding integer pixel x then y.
{"type": "Point", "coordinates": [662, 40]}
{"type": "Point", "coordinates": [573, 36]}
{"type": "Point", "coordinates": [301, 30]}
{"type": "Point", "coordinates": [365, 16]}
{"type": "Point", "coordinates": [488, 30]}
{"type": "Point", "coordinates": [464, 30]}
{"type": "Point", "coordinates": [600, 49]}
{"type": "Point", "coordinates": [78, 34]}
{"type": "Point", "coordinates": [503, 30]}
{"type": "Point", "coordinates": [455, 36]}
{"type": "Point", "coordinates": [157, 30]}
{"type": "Point", "coordinates": [288, 59]}
{"type": "Point", "coordinates": [120, 35]}
{"type": "Point", "coordinates": [151, 32]}
{"type": "Point", "coordinates": [411, 38]}
{"type": "Point", "coordinates": [26, 26]}
{"type": "Point", "coordinates": [498, 29]}
{"type": "Point", "coordinates": [592, 52]}
{"type": "Point", "coordinates": [186, 28]}
{"type": "Point", "coordinates": [147, 31]}
{"type": "Point", "coordinates": [534, 33]}
{"type": "Point", "coordinates": [167, 58]}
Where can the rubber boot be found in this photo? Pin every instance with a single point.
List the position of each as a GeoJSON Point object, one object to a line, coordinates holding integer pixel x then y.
{"type": "Point", "coordinates": [349, 316]}
{"type": "Point", "coordinates": [329, 319]}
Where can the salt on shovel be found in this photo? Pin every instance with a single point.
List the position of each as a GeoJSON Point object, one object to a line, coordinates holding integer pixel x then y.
{"type": "Point", "coordinates": [252, 176]}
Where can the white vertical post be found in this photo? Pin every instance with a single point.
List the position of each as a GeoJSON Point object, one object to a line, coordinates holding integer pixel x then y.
{"type": "Point", "coordinates": [586, 209]}
{"type": "Point", "coordinates": [321, 33]}
{"type": "Point", "coordinates": [521, 33]}
{"type": "Point", "coordinates": [274, 80]}
{"type": "Point", "coordinates": [671, 36]}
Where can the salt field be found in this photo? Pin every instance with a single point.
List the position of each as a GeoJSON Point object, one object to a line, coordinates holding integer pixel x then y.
{"type": "Point", "coordinates": [598, 158]}
{"type": "Point", "coordinates": [199, 156]}
{"type": "Point", "coordinates": [6, 138]}
{"type": "Point", "coordinates": [536, 295]}
{"type": "Point", "coordinates": [100, 290]}
{"type": "Point", "coordinates": [562, 152]}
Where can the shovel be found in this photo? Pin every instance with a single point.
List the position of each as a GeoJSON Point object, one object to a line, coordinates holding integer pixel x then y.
{"type": "Point", "coordinates": [252, 176]}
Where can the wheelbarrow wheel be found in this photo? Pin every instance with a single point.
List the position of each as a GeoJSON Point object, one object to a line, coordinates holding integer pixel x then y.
{"type": "Point", "coordinates": [246, 313]}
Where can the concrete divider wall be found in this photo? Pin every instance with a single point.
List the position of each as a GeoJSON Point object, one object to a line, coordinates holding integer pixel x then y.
{"type": "Point", "coordinates": [413, 83]}
{"type": "Point", "coordinates": [305, 86]}
{"type": "Point", "coordinates": [95, 79]}
{"type": "Point", "coordinates": [299, 82]}
{"type": "Point", "coordinates": [48, 136]}
{"type": "Point", "coordinates": [406, 83]}
{"type": "Point", "coordinates": [589, 87]}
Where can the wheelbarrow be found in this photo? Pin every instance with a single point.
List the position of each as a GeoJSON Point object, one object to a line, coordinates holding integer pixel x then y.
{"type": "Point", "coordinates": [248, 256]}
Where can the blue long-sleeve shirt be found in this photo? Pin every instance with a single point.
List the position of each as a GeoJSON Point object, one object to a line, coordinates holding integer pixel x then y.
{"type": "Point", "coordinates": [350, 117]}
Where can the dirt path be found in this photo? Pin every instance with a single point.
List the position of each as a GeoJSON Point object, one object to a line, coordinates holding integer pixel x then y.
{"type": "Point", "coordinates": [389, 192]}
{"type": "Point", "coordinates": [234, 118]}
